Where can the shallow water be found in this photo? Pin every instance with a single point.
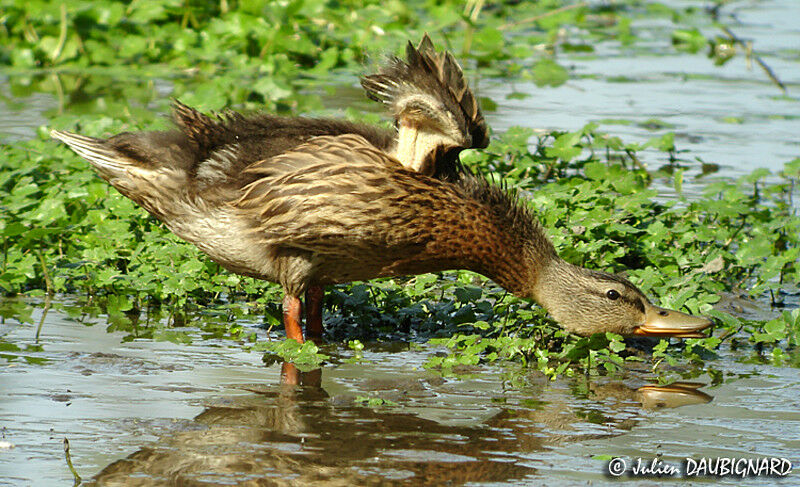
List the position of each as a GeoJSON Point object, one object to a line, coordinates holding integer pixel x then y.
{"type": "Point", "coordinates": [148, 413]}
{"type": "Point", "coordinates": [731, 115]}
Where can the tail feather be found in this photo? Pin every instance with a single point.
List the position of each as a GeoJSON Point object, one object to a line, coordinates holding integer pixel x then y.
{"type": "Point", "coordinates": [107, 160]}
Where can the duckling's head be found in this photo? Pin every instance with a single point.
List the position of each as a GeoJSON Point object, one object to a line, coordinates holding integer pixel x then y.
{"type": "Point", "coordinates": [584, 301]}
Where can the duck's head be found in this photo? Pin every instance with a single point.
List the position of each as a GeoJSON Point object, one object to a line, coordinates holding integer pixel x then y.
{"type": "Point", "coordinates": [585, 302]}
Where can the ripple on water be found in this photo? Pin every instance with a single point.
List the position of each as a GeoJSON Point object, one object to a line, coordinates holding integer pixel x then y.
{"type": "Point", "coordinates": [154, 411]}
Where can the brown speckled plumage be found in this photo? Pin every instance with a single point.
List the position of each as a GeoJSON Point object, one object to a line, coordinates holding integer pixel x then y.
{"type": "Point", "coordinates": [312, 202]}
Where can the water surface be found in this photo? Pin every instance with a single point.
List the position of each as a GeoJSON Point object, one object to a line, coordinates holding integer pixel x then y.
{"type": "Point", "coordinates": [146, 413]}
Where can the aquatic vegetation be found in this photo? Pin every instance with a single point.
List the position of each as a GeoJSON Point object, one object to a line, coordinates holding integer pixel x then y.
{"type": "Point", "coordinates": [742, 236]}
{"type": "Point", "coordinates": [63, 230]}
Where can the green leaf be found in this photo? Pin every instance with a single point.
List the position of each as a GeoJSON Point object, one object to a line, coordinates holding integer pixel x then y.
{"type": "Point", "coordinates": [565, 147]}
{"type": "Point", "coordinates": [691, 40]}
{"type": "Point", "coordinates": [677, 178]}
{"type": "Point", "coordinates": [547, 72]}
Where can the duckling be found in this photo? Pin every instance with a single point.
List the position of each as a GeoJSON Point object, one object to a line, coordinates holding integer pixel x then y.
{"type": "Point", "coordinates": [436, 114]}
{"type": "Point", "coordinates": [308, 203]}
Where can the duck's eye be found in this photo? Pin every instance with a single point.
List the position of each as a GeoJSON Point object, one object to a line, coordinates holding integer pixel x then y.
{"type": "Point", "coordinates": [612, 294]}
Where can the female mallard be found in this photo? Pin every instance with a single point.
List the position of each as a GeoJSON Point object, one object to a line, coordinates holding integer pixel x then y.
{"type": "Point", "coordinates": [312, 202]}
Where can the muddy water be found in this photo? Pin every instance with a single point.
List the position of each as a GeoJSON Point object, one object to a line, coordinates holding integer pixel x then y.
{"type": "Point", "coordinates": [150, 413]}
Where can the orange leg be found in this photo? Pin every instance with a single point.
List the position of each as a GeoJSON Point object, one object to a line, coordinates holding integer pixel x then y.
{"type": "Point", "coordinates": [292, 310]}
{"type": "Point", "coordinates": [314, 296]}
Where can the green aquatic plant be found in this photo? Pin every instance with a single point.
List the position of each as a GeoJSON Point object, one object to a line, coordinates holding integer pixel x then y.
{"type": "Point", "coordinates": [374, 402]}
{"type": "Point", "coordinates": [262, 53]}
{"type": "Point", "coordinates": [742, 236]}
{"type": "Point", "coordinates": [63, 230]}
{"type": "Point", "coordinates": [305, 356]}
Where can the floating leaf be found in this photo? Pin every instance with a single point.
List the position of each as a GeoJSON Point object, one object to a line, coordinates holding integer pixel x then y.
{"type": "Point", "coordinates": [547, 72]}
{"type": "Point", "coordinates": [691, 40]}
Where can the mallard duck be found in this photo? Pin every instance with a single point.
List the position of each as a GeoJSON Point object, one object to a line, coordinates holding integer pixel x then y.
{"type": "Point", "coordinates": [312, 202]}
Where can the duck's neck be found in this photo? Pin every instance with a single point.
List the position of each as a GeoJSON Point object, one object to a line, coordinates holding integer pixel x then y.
{"type": "Point", "coordinates": [555, 286]}
{"type": "Point", "coordinates": [505, 242]}
{"type": "Point", "coordinates": [519, 266]}
{"type": "Point", "coordinates": [502, 239]}
{"type": "Point", "coordinates": [536, 272]}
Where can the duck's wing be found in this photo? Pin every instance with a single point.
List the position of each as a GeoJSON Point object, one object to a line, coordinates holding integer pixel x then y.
{"type": "Point", "coordinates": [229, 142]}
{"type": "Point", "coordinates": [270, 134]}
{"type": "Point", "coordinates": [436, 113]}
{"type": "Point", "coordinates": [333, 195]}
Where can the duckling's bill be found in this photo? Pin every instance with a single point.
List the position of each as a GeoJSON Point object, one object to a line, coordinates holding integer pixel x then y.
{"type": "Point", "coordinates": [662, 322]}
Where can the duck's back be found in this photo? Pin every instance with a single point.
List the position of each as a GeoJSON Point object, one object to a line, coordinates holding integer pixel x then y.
{"type": "Point", "coordinates": [214, 151]}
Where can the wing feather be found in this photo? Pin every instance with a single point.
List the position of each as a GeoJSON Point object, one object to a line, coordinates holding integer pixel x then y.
{"type": "Point", "coordinates": [435, 110]}
{"type": "Point", "coordinates": [329, 196]}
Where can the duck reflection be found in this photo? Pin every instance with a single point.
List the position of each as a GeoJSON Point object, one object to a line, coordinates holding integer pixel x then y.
{"type": "Point", "coordinates": [296, 434]}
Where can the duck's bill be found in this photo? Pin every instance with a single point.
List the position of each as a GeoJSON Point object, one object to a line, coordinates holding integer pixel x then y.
{"type": "Point", "coordinates": [668, 323]}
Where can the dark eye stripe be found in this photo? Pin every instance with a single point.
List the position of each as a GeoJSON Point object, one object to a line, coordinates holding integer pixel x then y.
{"type": "Point", "coordinates": [635, 302]}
